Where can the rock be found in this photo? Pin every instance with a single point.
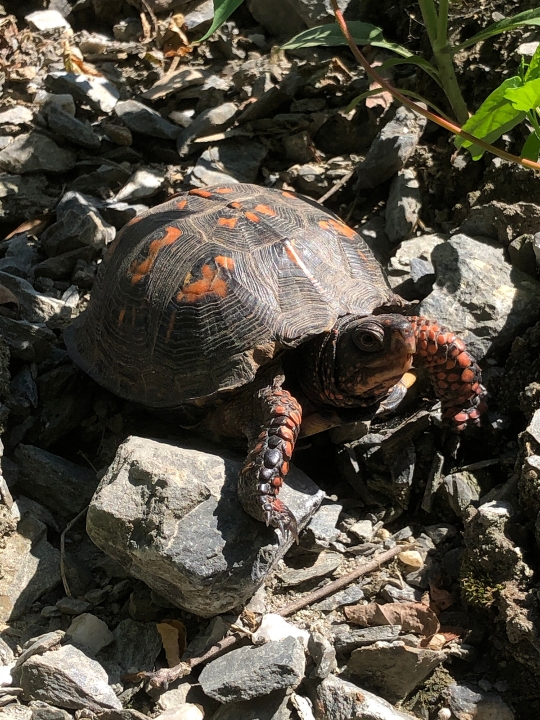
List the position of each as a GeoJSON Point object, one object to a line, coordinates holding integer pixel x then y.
{"type": "Point", "coordinates": [58, 484]}
{"type": "Point", "coordinates": [78, 223]}
{"type": "Point", "coordinates": [403, 594]}
{"type": "Point", "coordinates": [440, 532]}
{"type": "Point", "coordinates": [403, 205]}
{"type": "Point", "coordinates": [62, 266]}
{"type": "Point", "coordinates": [30, 566]}
{"type": "Point", "coordinates": [274, 627]}
{"type": "Point", "coordinates": [21, 255]}
{"type": "Point", "coordinates": [106, 176]}
{"type": "Point", "coordinates": [205, 123]}
{"type": "Point", "coordinates": [21, 198]}
{"type": "Point", "coordinates": [173, 82]}
{"type": "Point", "coordinates": [33, 152]}
{"type": "Point", "coordinates": [391, 149]}
{"type": "Point", "coordinates": [144, 120]}
{"type": "Point", "coordinates": [63, 124]}
{"type": "Point", "coordinates": [323, 653]}
{"type": "Point", "coordinates": [187, 711]}
{"type": "Point", "coordinates": [235, 159]}
{"type": "Point", "coordinates": [393, 669]}
{"type": "Point", "coordinates": [479, 295]}
{"type": "Point", "coordinates": [324, 564]}
{"type": "Point", "coordinates": [313, 12]}
{"type": "Point", "coordinates": [347, 638]}
{"type": "Point", "coordinates": [37, 646]}
{"type": "Point", "coordinates": [198, 15]}
{"type": "Point", "coordinates": [97, 91]}
{"type": "Point", "coordinates": [142, 184]}
{"type": "Point", "coordinates": [43, 711]}
{"type": "Point", "coordinates": [68, 678]}
{"type": "Point", "coordinates": [411, 558]}
{"type": "Point", "coordinates": [90, 632]}
{"type": "Point", "coordinates": [137, 645]}
{"type": "Point", "coordinates": [251, 672]}
{"type": "Point", "coordinates": [522, 254]}
{"type": "Point", "coordinates": [469, 703]}
{"type": "Point", "coordinates": [279, 19]}
{"type": "Point", "coordinates": [72, 606]}
{"type": "Point", "coordinates": [270, 707]}
{"type": "Point", "coordinates": [16, 712]}
{"type": "Point", "coordinates": [19, 115]}
{"type": "Point", "coordinates": [341, 700]}
{"type": "Point", "coordinates": [47, 20]}
{"type": "Point", "coordinates": [502, 221]}
{"type": "Point", "coordinates": [405, 262]}
{"type": "Point", "coordinates": [33, 306]}
{"type": "Point", "coordinates": [322, 530]}
{"type": "Point", "coordinates": [50, 101]}
{"type": "Point", "coordinates": [363, 529]}
{"type": "Point", "coordinates": [203, 555]}
{"type": "Point", "coordinates": [349, 596]}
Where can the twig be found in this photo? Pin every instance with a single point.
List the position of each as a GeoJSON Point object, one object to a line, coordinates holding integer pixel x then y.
{"type": "Point", "coordinates": [68, 527]}
{"type": "Point", "coordinates": [339, 184]}
{"type": "Point", "coordinates": [165, 676]}
{"type": "Point", "coordinates": [452, 127]}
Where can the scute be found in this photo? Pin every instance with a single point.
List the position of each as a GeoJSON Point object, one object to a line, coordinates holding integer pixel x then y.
{"type": "Point", "coordinates": [192, 294]}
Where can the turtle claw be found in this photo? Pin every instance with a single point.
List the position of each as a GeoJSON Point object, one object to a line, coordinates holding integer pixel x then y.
{"type": "Point", "coordinates": [279, 516]}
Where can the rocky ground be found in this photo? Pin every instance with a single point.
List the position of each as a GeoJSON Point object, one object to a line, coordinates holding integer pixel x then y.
{"type": "Point", "coordinates": [107, 109]}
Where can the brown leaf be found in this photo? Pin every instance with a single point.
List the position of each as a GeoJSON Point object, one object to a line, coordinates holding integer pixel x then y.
{"type": "Point", "coordinates": [9, 305]}
{"type": "Point", "coordinates": [440, 599]}
{"type": "Point", "coordinates": [33, 227]}
{"type": "Point", "coordinates": [173, 637]}
{"type": "Point", "coordinates": [413, 617]}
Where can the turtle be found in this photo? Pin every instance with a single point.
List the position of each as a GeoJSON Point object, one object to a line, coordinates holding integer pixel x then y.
{"type": "Point", "coordinates": [256, 313]}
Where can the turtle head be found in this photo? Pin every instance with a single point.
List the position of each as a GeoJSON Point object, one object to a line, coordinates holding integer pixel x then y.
{"type": "Point", "coordinates": [359, 360]}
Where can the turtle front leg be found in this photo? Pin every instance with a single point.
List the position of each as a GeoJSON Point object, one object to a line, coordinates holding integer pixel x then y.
{"type": "Point", "coordinates": [454, 373]}
{"type": "Point", "coordinates": [268, 458]}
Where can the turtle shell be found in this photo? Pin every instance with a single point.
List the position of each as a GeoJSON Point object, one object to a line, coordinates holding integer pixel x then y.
{"type": "Point", "coordinates": [195, 295]}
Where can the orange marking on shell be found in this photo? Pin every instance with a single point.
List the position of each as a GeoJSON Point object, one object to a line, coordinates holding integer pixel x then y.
{"type": "Point", "coordinates": [342, 229]}
{"type": "Point", "coordinates": [224, 191]}
{"type": "Point", "coordinates": [133, 314]}
{"type": "Point", "coordinates": [143, 268]}
{"type": "Point", "coordinates": [182, 204]}
{"type": "Point", "coordinates": [224, 262]}
{"type": "Point", "coordinates": [200, 193]}
{"type": "Point", "coordinates": [209, 283]}
{"type": "Point", "coordinates": [121, 316]}
{"type": "Point", "coordinates": [251, 216]}
{"type": "Point", "coordinates": [463, 360]}
{"type": "Point", "coordinates": [236, 205]}
{"type": "Point", "coordinates": [265, 210]}
{"type": "Point", "coordinates": [468, 375]}
{"type": "Point", "coordinates": [287, 194]}
{"type": "Point", "coordinates": [324, 224]}
{"type": "Point", "coordinates": [170, 327]}
{"type": "Point", "coordinates": [228, 222]}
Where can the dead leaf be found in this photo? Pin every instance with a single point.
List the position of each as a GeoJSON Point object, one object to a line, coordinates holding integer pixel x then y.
{"type": "Point", "coordinates": [413, 617]}
{"type": "Point", "coordinates": [173, 637]}
{"type": "Point", "coordinates": [440, 599]}
{"type": "Point", "coordinates": [174, 41]}
{"type": "Point", "coordinates": [33, 227]}
{"type": "Point", "coordinates": [74, 62]}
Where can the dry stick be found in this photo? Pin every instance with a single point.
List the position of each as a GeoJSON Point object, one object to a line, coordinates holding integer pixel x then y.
{"type": "Point", "coordinates": [452, 127]}
{"type": "Point", "coordinates": [168, 675]}
{"type": "Point", "coordinates": [68, 527]}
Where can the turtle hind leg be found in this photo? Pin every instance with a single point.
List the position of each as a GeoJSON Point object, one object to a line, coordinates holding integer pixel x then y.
{"type": "Point", "coordinates": [268, 458]}
{"type": "Point", "coordinates": [454, 373]}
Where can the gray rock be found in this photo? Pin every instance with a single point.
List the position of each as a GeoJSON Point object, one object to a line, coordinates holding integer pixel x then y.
{"type": "Point", "coordinates": [63, 124]}
{"type": "Point", "coordinates": [270, 707]}
{"type": "Point", "coordinates": [323, 653]}
{"type": "Point", "coordinates": [22, 198]}
{"type": "Point", "coordinates": [97, 91]}
{"type": "Point", "coordinates": [61, 267]}
{"type": "Point", "coordinates": [522, 254]}
{"type": "Point", "coordinates": [37, 646]}
{"type": "Point", "coordinates": [30, 566]}
{"type": "Point", "coordinates": [460, 489]}
{"type": "Point", "coordinates": [33, 152]}
{"type": "Point", "coordinates": [146, 121]}
{"type": "Point", "coordinates": [405, 594]}
{"type": "Point", "coordinates": [501, 221]}
{"type": "Point", "coordinates": [142, 184]}
{"type": "Point", "coordinates": [313, 12]}
{"type": "Point", "coordinates": [347, 638]}
{"type": "Point", "coordinates": [324, 564]}
{"type": "Point", "coordinates": [341, 700]}
{"type": "Point", "coordinates": [207, 122]}
{"type": "Point", "coordinates": [58, 484]}
{"type": "Point", "coordinates": [440, 532]}
{"type": "Point", "coordinates": [322, 530]}
{"type": "Point", "coordinates": [34, 306]}
{"type": "Point", "coordinates": [238, 160]}
{"type": "Point", "coordinates": [403, 205]}
{"type": "Point", "coordinates": [89, 631]}
{"type": "Point", "coordinates": [137, 645]}
{"type": "Point", "coordinates": [349, 596]}
{"type": "Point", "coordinates": [49, 101]}
{"type": "Point", "coordinates": [198, 15]}
{"type": "Point", "coordinates": [16, 712]}
{"type": "Point", "coordinates": [72, 605]}
{"type": "Point", "coordinates": [21, 255]}
{"type": "Point", "coordinates": [18, 115]}
{"type": "Point", "coordinates": [479, 295]}
{"type": "Point", "coordinates": [279, 18]}
{"type": "Point", "coordinates": [469, 703]}
{"type": "Point", "coordinates": [43, 711]}
{"type": "Point", "coordinates": [78, 224]}
{"type": "Point", "coordinates": [120, 213]}
{"type": "Point", "coordinates": [170, 515]}
{"type": "Point", "coordinates": [43, 20]}
{"type": "Point", "coordinates": [391, 149]}
{"type": "Point", "coordinates": [68, 678]}
{"type": "Point", "coordinates": [423, 275]}
{"type": "Point", "coordinates": [393, 669]}
{"type": "Point", "coordinates": [251, 672]}
{"type": "Point", "coordinates": [173, 82]}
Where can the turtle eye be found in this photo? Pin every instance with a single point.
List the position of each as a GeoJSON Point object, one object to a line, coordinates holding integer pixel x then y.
{"type": "Point", "coordinates": [368, 340]}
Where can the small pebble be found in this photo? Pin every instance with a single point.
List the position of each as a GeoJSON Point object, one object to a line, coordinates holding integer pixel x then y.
{"type": "Point", "coordinates": [274, 627]}
{"type": "Point", "coordinates": [412, 558]}
{"type": "Point", "coordinates": [444, 714]}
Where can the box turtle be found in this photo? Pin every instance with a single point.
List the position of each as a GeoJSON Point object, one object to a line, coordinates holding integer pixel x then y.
{"type": "Point", "coordinates": [256, 313]}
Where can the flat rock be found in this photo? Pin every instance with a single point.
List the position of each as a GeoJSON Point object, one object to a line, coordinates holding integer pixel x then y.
{"type": "Point", "coordinates": [90, 632]}
{"type": "Point", "coordinates": [171, 517]}
{"type": "Point", "coordinates": [322, 529]}
{"type": "Point", "coordinates": [342, 700]}
{"type": "Point", "coordinates": [391, 149]}
{"type": "Point", "coordinates": [279, 18]}
{"type": "Point", "coordinates": [68, 678]}
{"type": "Point", "coordinates": [347, 638]}
{"type": "Point", "coordinates": [97, 91]}
{"type": "Point", "coordinates": [143, 119]}
{"type": "Point", "coordinates": [469, 703]}
{"type": "Point", "coordinates": [393, 669]}
{"type": "Point", "coordinates": [33, 152]}
{"type": "Point", "coordinates": [34, 306]}
{"type": "Point", "coordinates": [273, 706]}
{"type": "Point", "coordinates": [403, 205]}
{"type": "Point", "coordinates": [142, 184]}
{"type": "Point", "coordinates": [349, 596]}
{"type": "Point", "coordinates": [43, 711]}
{"type": "Point", "coordinates": [23, 198]}
{"type": "Point", "coordinates": [479, 295]}
{"type": "Point", "coordinates": [313, 12]}
{"type": "Point", "coordinates": [60, 485]}
{"type": "Point", "coordinates": [322, 565]}
{"type": "Point", "coordinates": [173, 82]}
{"type": "Point", "coordinates": [236, 159]}
{"type": "Point", "coordinates": [18, 115]}
{"type": "Point", "coordinates": [63, 124]}
{"type": "Point", "coordinates": [30, 566]}
{"type": "Point", "coordinates": [136, 646]}
{"type": "Point", "coordinates": [205, 123]}
{"type": "Point", "coordinates": [252, 672]}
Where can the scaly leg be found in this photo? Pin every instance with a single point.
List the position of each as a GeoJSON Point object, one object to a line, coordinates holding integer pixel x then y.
{"type": "Point", "coordinates": [454, 373]}
{"type": "Point", "coordinates": [268, 458]}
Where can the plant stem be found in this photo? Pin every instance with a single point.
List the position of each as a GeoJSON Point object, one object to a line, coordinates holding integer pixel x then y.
{"type": "Point", "coordinates": [534, 122]}
{"type": "Point", "coordinates": [454, 129]}
{"type": "Point", "coordinates": [436, 26]}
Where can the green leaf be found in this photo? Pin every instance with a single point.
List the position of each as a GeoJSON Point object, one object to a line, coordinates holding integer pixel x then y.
{"type": "Point", "coordinates": [331, 36]}
{"type": "Point", "coordinates": [223, 9]}
{"type": "Point", "coordinates": [533, 71]}
{"type": "Point", "coordinates": [531, 149]}
{"type": "Point", "coordinates": [493, 118]}
{"type": "Point", "coordinates": [529, 17]}
{"type": "Point", "coordinates": [413, 60]}
{"type": "Point", "coordinates": [526, 97]}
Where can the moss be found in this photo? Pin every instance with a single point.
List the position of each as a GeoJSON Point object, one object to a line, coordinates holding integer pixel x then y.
{"type": "Point", "coordinates": [478, 588]}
